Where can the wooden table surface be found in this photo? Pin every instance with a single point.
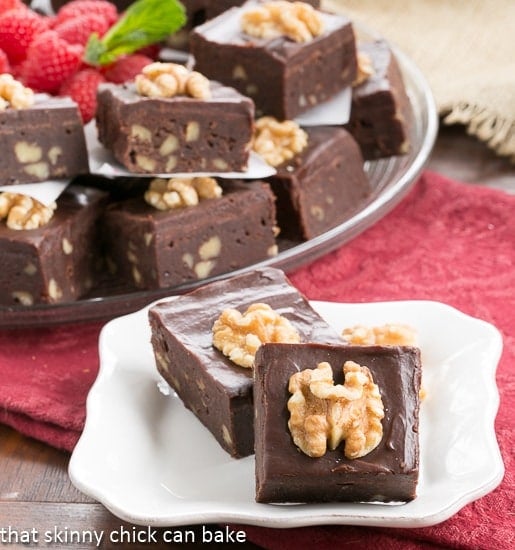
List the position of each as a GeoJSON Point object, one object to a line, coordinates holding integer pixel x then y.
{"type": "Point", "coordinates": [36, 497]}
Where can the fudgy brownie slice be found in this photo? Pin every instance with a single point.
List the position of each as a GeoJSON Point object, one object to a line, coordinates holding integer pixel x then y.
{"type": "Point", "coordinates": [166, 135]}
{"type": "Point", "coordinates": [217, 390]}
{"type": "Point", "coordinates": [41, 142]}
{"type": "Point", "coordinates": [321, 186]}
{"type": "Point", "coordinates": [387, 473]}
{"type": "Point", "coordinates": [151, 248]}
{"type": "Point", "coordinates": [381, 113]}
{"type": "Point", "coordinates": [58, 261]}
{"type": "Point", "coordinates": [283, 76]}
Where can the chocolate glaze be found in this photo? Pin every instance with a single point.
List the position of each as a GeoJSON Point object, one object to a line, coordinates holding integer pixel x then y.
{"type": "Point", "coordinates": [215, 389]}
{"type": "Point", "coordinates": [225, 123]}
{"type": "Point", "coordinates": [388, 473]}
{"type": "Point", "coordinates": [283, 77]}
{"type": "Point", "coordinates": [321, 186]}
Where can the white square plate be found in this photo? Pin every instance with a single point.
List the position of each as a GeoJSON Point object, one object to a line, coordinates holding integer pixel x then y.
{"type": "Point", "coordinates": [151, 462]}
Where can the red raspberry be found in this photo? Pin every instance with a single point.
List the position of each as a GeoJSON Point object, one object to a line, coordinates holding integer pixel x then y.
{"type": "Point", "coordinates": [18, 28]}
{"type": "Point", "coordinates": [82, 88]}
{"type": "Point", "coordinates": [79, 29]}
{"type": "Point", "coordinates": [72, 9]}
{"type": "Point", "coordinates": [50, 61]}
{"type": "Point", "coordinates": [126, 68]}
{"type": "Point", "coordinates": [4, 63]}
{"type": "Point", "coordinates": [6, 5]}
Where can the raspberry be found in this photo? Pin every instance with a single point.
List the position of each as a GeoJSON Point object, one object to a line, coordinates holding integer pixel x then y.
{"type": "Point", "coordinates": [73, 9]}
{"type": "Point", "coordinates": [6, 5]}
{"type": "Point", "coordinates": [126, 68]}
{"type": "Point", "coordinates": [18, 28]}
{"type": "Point", "coordinates": [4, 63]}
{"type": "Point", "coordinates": [50, 61]}
{"type": "Point", "coordinates": [82, 88]}
{"type": "Point", "coordinates": [79, 29]}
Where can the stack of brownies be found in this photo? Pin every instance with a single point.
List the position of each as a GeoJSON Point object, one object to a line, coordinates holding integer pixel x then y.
{"type": "Point", "coordinates": [49, 250]}
{"type": "Point", "coordinates": [186, 134]}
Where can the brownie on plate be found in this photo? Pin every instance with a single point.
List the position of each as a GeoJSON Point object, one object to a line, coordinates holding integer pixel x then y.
{"type": "Point", "coordinates": [381, 114]}
{"type": "Point", "coordinates": [151, 248]}
{"type": "Point", "coordinates": [285, 473]}
{"type": "Point", "coordinates": [42, 141]}
{"type": "Point", "coordinates": [167, 135]}
{"type": "Point", "coordinates": [283, 76]}
{"type": "Point", "coordinates": [321, 186]}
{"type": "Point", "coordinates": [56, 262]}
{"type": "Point", "coordinates": [216, 389]}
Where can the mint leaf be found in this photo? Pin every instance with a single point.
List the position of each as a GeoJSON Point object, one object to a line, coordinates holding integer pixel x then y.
{"type": "Point", "coordinates": [145, 22]}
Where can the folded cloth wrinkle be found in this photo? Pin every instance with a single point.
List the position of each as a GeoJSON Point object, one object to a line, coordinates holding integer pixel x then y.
{"type": "Point", "coordinates": [445, 241]}
{"type": "Point", "coordinates": [46, 374]}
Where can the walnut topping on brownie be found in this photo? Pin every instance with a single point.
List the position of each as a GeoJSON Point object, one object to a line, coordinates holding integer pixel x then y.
{"type": "Point", "coordinates": [14, 94]}
{"type": "Point", "coordinates": [277, 141]}
{"type": "Point", "coordinates": [296, 20]}
{"type": "Point", "coordinates": [238, 336]}
{"type": "Point", "coordinates": [324, 414]}
{"type": "Point", "coordinates": [171, 79]}
{"type": "Point", "coordinates": [365, 68]}
{"type": "Point", "coordinates": [390, 334]}
{"type": "Point", "coordinates": [24, 212]}
{"type": "Point", "coordinates": [180, 192]}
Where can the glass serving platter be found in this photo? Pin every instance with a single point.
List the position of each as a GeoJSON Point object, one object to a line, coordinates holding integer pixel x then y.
{"type": "Point", "coordinates": [390, 178]}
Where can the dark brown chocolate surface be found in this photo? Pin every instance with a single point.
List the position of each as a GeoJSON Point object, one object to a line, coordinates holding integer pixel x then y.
{"type": "Point", "coordinates": [177, 134]}
{"type": "Point", "coordinates": [42, 142]}
{"type": "Point", "coordinates": [381, 111]}
{"type": "Point", "coordinates": [57, 262]}
{"type": "Point", "coordinates": [283, 77]}
{"type": "Point", "coordinates": [215, 389]}
{"type": "Point", "coordinates": [388, 473]}
{"type": "Point", "coordinates": [151, 248]}
{"type": "Point", "coordinates": [322, 186]}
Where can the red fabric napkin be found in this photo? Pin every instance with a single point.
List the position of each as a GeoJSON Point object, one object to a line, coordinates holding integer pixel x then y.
{"type": "Point", "coordinates": [445, 241]}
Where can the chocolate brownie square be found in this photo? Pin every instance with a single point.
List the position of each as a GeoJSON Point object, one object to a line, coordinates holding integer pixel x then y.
{"type": "Point", "coordinates": [283, 77]}
{"type": "Point", "coordinates": [217, 390]}
{"type": "Point", "coordinates": [58, 261]}
{"type": "Point", "coordinates": [388, 473]}
{"type": "Point", "coordinates": [166, 135]}
{"type": "Point", "coordinates": [320, 187]}
{"type": "Point", "coordinates": [41, 142]}
{"type": "Point", "coordinates": [151, 248]}
{"type": "Point", "coordinates": [381, 113]}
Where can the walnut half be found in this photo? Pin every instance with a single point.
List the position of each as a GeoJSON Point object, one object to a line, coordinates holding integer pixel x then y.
{"type": "Point", "coordinates": [14, 94]}
{"type": "Point", "coordinates": [296, 20]}
{"type": "Point", "coordinates": [171, 79]}
{"type": "Point", "coordinates": [390, 334]}
{"type": "Point", "coordinates": [323, 414]}
{"type": "Point", "coordinates": [238, 336]}
{"type": "Point", "coordinates": [277, 141]}
{"type": "Point", "coordinates": [24, 212]}
{"type": "Point", "coordinates": [180, 192]}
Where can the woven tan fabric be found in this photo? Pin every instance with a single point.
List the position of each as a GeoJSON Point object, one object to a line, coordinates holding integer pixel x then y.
{"type": "Point", "coordinates": [465, 48]}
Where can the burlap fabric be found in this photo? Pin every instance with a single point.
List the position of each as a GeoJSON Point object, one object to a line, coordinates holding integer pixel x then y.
{"type": "Point", "coordinates": [465, 48]}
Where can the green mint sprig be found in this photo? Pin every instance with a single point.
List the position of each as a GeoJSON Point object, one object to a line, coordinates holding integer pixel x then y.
{"type": "Point", "coordinates": [144, 23]}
